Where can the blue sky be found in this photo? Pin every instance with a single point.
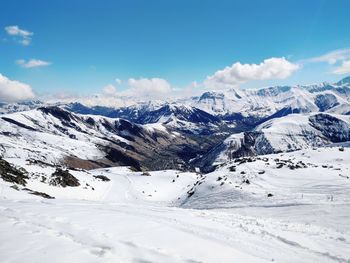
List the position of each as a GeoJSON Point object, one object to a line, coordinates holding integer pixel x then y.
{"type": "Point", "coordinates": [88, 44]}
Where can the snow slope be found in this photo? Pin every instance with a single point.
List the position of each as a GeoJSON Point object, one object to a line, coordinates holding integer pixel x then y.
{"type": "Point", "coordinates": [170, 216]}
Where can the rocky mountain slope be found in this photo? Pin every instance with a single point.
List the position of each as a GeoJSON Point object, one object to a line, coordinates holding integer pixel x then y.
{"type": "Point", "coordinates": [231, 110]}
{"type": "Point", "coordinates": [56, 136]}
{"type": "Point", "coordinates": [285, 134]}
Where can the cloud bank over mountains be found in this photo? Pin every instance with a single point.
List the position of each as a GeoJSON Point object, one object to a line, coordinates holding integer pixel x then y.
{"type": "Point", "coordinates": [237, 73]}
{"type": "Point", "coordinates": [231, 76]}
{"type": "Point", "coordinates": [12, 90]}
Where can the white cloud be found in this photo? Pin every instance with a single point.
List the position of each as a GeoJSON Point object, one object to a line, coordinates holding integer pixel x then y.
{"type": "Point", "coordinates": [340, 59]}
{"type": "Point", "coordinates": [25, 37]}
{"type": "Point", "coordinates": [139, 88]}
{"type": "Point", "coordinates": [272, 68]}
{"type": "Point", "coordinates": [32, 63]}
{"type": "Point", "coordinates": [11, 90]}
{"type": "Point", "coordinates": [109, 90]}
{"type": "Point", "coordinates": [144, 87]}
{"type": "Point", "coordinates": [16, 31]}
{"type": "Point", "coordinates": [332, 57]}
{"type": "Point", "coordinates": [343, 69]}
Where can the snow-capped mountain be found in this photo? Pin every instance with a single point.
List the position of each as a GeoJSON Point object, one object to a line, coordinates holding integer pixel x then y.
{"type": "Point", "coordinates": [344, 81]}
{"type": "Point", "coordinates": [285, 134]}
{"type": "Point", "coordinates": [20, 106]}
{"type": "Point", "coordinates": [184, 118]}
{"type": "Point", "coordinates": [225, 104]}
{"type": "Point", "coordinates": [235, 106]}
{"type": "Point", "coordinates": [132, 113]}
{"type": "Point", "coordinates": [270, 120]}
{"type": "Point", "coordinates": [264, 102]}
{"type": "Point", "coordinates": [56, 136]}
{"type": "Point", "coordinates": [175, 116]}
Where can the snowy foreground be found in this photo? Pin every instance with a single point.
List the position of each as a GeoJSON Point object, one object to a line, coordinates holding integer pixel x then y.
{"type": "Point", "coordinates": [291, 207]}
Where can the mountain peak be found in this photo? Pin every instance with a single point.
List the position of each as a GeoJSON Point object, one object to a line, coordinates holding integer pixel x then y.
{"type": "Point", "coordinates": [344, 81]}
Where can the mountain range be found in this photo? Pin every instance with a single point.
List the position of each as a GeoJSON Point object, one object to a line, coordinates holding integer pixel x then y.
{"type": "Point", "coordinates": [181, 134]}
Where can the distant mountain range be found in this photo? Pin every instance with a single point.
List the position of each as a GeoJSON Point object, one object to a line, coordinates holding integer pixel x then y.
{"type": "Point", "coordinates": [235, 104]}
{"type": "Point", "coordinates": [182, 134]}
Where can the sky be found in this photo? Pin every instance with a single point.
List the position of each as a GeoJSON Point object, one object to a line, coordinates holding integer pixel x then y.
{"type": "Point", "coordinates": [157, 46]}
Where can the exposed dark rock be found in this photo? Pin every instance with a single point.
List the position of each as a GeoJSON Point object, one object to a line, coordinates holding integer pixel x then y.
{"type": "Point", "coordinates": [39, 162]}
{"type": "Point", "coordinates": [279, 165]}
{"type": "Point", "coordinates": [63, 178]}
{"type": "Point", "coordinates": [90, 121]}
{"type": "Point", "coordinates": [102, 177]}
{"type": "Point", "coordinates": [326, 101]}
{"type": "Point", "coordinates": [336, 130]}
{"type": "Point", "coordinates": [15, 187]}
{"type": "Point", "coordinates": [121, 158]}
{"type": "Point", "coordinates": [281, 113]}
{"type": "Point", "coordinates": [232, 168]}
{"type": "Point", "coordinates": [291, 166]}
{"type": "Point", "coordinates": [58, 113]}
{"type": "Point", "coordinates": [190, 193]}
{"type": "Point", "coordinates": [18, 123]}
{"type": "Point", "coordinates": [11, 174]}
{"type": "Point", "coordinates": [44, 195]}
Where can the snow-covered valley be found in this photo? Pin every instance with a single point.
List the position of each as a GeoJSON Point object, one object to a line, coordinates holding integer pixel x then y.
{"type": "Point", "coordinates": [287, 207]}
